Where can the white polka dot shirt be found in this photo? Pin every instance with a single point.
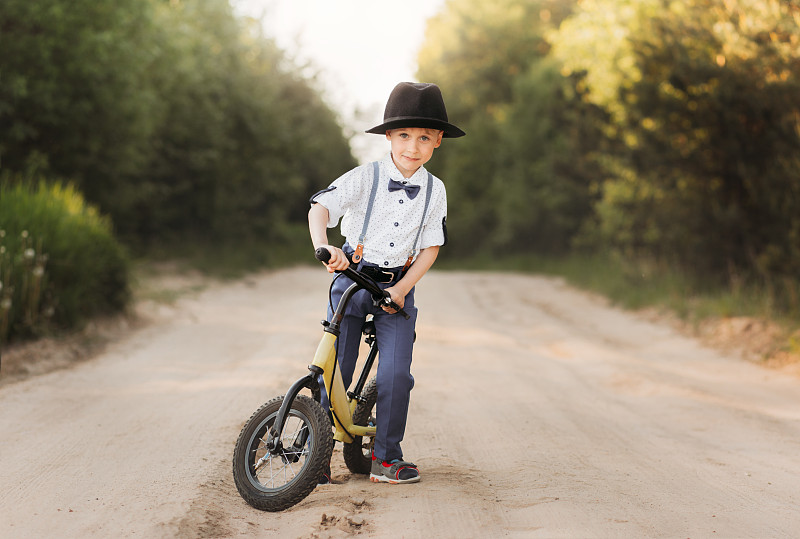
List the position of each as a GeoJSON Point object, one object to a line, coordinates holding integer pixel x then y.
{"type": "Point", "coordinates": [395, 217]}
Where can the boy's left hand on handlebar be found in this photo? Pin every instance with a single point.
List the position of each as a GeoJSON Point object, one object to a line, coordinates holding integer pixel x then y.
{"type": "Point", "coordinates": [397, 296]}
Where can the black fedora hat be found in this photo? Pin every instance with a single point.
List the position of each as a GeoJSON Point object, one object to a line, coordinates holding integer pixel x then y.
{"type": "Point", "coordinates": [414, 104]}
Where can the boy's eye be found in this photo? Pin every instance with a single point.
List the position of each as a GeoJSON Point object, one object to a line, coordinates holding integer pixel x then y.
{"type": "Point", "coordinates": [424, 138]}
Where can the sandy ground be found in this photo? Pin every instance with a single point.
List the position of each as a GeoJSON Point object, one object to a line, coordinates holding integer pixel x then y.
{"type": "Point", "coordinates": [538, 411]}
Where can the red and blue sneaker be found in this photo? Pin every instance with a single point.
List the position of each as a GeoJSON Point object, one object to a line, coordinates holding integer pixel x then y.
{"type": "Point", "coordinates": [395, 472]}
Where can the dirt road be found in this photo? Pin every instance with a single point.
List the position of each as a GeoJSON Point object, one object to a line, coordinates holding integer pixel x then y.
{"type": "Point", "coordinates": [538, 411]}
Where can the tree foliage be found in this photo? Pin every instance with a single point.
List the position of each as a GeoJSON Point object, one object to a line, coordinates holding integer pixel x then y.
{"type": "Point", "coordinates": [706, 175]}
{"type": "Point", "coordinates": [513, 182]}
{"type": "Point", "coordinates": [177, 118]}
{"type": "Point", "coordinates": [665, 130]}
{"type": "Point", "coordinates": [71, 93]}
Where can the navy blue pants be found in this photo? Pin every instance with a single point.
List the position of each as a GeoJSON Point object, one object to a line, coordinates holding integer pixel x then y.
{"type": "Point", "coordinates": [395, 340]}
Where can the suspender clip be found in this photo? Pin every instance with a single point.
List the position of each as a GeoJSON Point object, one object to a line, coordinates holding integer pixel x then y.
{"type": "Point", "coordinates": [359, 253]}
{"type": "Point", "coordinates": [408, 264]}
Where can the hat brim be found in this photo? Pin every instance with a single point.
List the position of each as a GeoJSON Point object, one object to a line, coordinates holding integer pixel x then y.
{"type": "Point", "coordinates": [450, 131]}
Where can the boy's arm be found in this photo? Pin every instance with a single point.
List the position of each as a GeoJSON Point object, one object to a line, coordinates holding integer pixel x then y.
{"type": "Point", "coordinates": [318, 227]}
{"type": "Point", "coordinates": [421, 265]}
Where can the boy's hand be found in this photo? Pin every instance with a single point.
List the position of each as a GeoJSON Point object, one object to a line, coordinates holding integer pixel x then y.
{"type": "Point", "coordinates": [338, 261]}
{"type": "Point", "coordinates": [397, 296]}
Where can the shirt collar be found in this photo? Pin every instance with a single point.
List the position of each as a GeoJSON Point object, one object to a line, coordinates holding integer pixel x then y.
{"type": "Point", "coordinates": [391, 170]}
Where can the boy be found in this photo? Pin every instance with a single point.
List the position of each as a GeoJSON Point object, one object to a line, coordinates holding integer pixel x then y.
{"type": "Point", "coordinates": [397, 232]}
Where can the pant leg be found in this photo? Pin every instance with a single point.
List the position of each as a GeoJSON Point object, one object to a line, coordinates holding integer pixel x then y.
{"type": "Point", "coordinates": [395, 337]}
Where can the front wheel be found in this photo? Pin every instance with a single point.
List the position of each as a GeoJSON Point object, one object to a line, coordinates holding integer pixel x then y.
{"type": "Point", "coordinates": [276, 482]}
{"type": "Point", "coordinates": [358, 455]}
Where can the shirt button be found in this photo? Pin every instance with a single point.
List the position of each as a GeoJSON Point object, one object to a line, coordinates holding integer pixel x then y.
{"type": "Point", "coordinates": [397, 224]}
{"type": "Point", "coordinates": [391, 244]}
{"type": "Point", "coordinates": [385, 262]}
{"type": "Point", "coordinates": [401, 201]}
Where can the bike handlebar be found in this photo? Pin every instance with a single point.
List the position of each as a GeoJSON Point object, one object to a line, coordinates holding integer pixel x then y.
{"type": "Point", "coordinates": [365, 282]}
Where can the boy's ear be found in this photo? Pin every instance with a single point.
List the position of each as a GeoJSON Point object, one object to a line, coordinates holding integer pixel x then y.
{"type": "Point", "coordinates": [439, 139]}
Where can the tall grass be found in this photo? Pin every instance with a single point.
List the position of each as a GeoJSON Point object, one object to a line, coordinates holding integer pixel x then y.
{"type": "Point", "coordinates": [59, 261]}
{"type": "Point", "coordinates": [23, 280]}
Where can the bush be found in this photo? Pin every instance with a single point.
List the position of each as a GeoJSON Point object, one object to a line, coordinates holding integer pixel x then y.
{"type": "Point", "coordinates": [59, 262]}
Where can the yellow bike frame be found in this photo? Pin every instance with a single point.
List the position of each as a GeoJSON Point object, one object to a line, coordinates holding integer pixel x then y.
{"type": "Point", "coordinates": [342, 406]}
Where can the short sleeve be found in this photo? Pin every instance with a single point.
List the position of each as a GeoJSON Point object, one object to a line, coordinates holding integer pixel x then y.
{"type": "Point", "coordinates": [435, 232]}
{"type": "Point", "coordinates": [340, 195]}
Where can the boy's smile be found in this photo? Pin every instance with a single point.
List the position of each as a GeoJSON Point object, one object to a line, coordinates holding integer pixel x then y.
{"type": "Point", "coordinates": [412, 147]}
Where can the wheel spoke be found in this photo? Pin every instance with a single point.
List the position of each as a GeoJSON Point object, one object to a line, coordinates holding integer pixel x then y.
{"type": "Point", "coordinates": [274, 471]}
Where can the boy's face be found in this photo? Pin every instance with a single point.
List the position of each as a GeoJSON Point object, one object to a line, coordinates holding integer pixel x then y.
{"type": "Point", "coordinates": [412, 147]}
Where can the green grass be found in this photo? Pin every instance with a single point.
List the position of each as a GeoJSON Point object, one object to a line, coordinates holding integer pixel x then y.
{"type": "Point", "coordinates": [638, 284]}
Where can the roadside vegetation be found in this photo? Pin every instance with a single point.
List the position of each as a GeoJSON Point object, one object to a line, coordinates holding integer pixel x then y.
{"type": "Point", "coordinates": [59, 262]}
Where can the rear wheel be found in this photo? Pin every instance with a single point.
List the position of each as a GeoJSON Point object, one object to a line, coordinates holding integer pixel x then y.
{"type": "Point", "coordinates": [276, 482]}
{"type": "Point", "coordinates": [358, 455]}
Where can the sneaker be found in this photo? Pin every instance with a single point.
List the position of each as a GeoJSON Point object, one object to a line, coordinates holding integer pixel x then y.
{"type": "Point", "coordinates": [394, 472]}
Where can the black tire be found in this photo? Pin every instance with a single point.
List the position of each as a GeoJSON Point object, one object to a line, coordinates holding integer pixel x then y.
{"type": "Point", "coordinates": [358, 455]}
{"type": "Point", "coordinates": [282, 480]}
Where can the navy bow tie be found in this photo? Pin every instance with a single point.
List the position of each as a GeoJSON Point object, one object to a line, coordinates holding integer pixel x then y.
{"type": "Point", "coordinates": [411, 190]}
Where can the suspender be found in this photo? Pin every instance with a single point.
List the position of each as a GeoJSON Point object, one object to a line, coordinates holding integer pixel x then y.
{"type": "Point", "coordinates": [419, 230]}
{"type": "Point", "coordinates": [360, 247]}
{"type": "Point", "coordinates": [359, 252]}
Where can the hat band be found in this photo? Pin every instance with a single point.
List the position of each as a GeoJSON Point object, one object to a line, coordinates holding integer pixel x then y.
{"type": "Point", "coordinates": [397, 122]}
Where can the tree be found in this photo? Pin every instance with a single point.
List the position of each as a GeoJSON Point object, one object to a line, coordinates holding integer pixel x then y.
{"type": "Point", "coordinates": [178, 119]}
{"type": "Point", "coordinates": [71, 98]}
{"type": "Point", "coordinates": [520, 180]}
{"type": "Point", "coordinates": [705, 105]}
{"type": "Point", "coordinates": [548, 172]}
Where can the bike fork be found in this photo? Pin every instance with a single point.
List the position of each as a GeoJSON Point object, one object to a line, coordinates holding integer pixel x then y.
{"type": "Point", "coordinates": [273, 443]}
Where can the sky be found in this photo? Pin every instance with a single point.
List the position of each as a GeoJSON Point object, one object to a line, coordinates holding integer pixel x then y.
{"type": "Point", "coordinates": [359, 50]}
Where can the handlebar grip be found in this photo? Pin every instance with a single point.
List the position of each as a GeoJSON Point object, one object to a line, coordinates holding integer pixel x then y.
{"type": "Point", "coordinates": [322, 254]}
{"type": "Point", "coordinates": [389, 303]}
{"type": "Point", "coordinates": [400, 311]}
